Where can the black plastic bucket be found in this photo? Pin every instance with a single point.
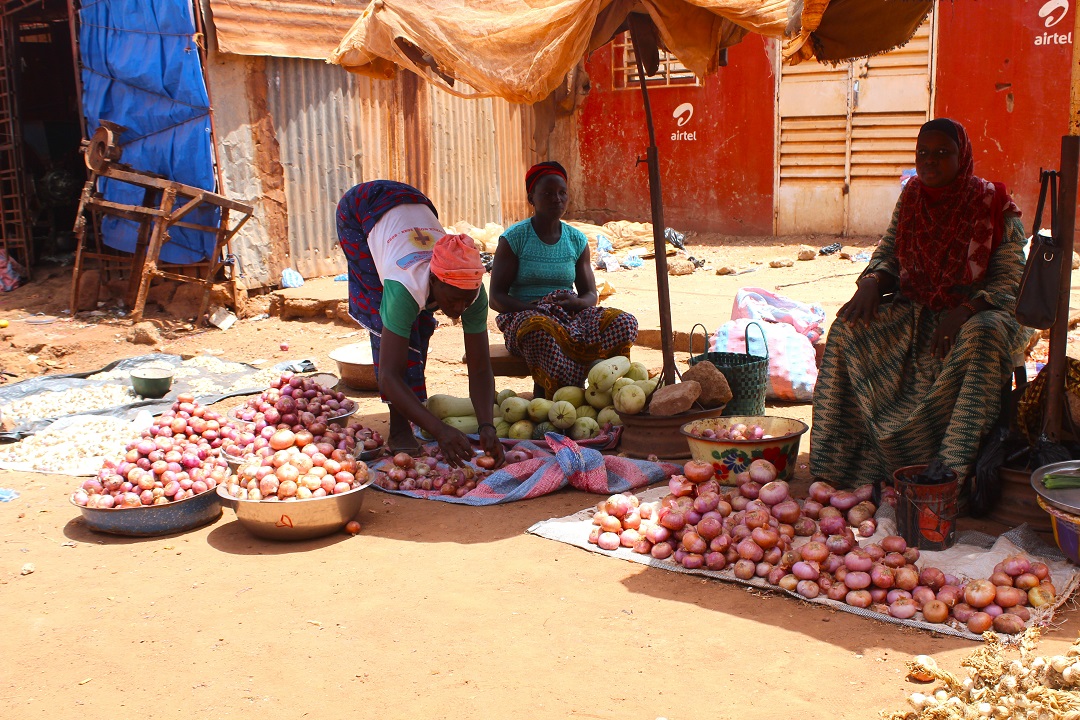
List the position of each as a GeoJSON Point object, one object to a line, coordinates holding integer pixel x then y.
{"type": "Point", "coordinates": [926, 514]}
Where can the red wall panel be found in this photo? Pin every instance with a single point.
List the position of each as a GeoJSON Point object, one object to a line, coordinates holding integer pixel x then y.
{"type": "Point", "coordinates": [1004, 74]}
{"type": "Point", "coordinates": [716, 169]}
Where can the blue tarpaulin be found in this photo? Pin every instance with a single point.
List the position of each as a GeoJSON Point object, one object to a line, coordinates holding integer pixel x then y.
{"type": "Point", "coordinates": [141, 69]}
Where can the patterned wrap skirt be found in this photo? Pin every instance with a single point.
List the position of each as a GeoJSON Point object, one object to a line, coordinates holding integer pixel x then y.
{"type": "Point", "coordinates": [560, 346]}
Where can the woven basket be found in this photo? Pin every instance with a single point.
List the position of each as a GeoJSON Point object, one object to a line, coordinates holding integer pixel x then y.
{"type": "Point", "coordinates": [747, 374]}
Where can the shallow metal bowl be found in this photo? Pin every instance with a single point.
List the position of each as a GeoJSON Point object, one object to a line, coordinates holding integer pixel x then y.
{"type": "Point", "coordinates": [153, 520]}
{"type": "Point", "coordinates": [296, 519]}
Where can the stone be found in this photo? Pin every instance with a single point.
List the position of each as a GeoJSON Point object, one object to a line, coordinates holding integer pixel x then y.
{"type": "Point", "coordinates": [161, 292]}
{"type": "Point", "coordinates": [86, 298]}
{"type": "Point", "coordinates": [674, 399]}
{"type": "Point", "coordinates": [715, 390]}
{"type": "Point", "coordinates": [781, 263]}
{"type": "Point", "coordinates": [807, 253]}
{"type": "Point", "coordinates": [680, 266]}
{"type": "Point", "coordinates": [845, 255]}
{"type": "Point", "coordinates": [1076, 261]}
{"type": "Point", "coordinates": [303, 308]}
{"type": "Point", "coordinates": [187, 301]}
{"type": "Point", "coordinates": [341, 313]}
{"type": "Point", "coordinates": [258, 305]}
{"type": "Point", "coordinates": [144, 333]}
{"type": "Point", "coordinates": [725, 270]}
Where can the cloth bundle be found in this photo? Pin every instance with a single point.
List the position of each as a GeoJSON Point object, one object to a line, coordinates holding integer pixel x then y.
{"type": "Point", "coordinates": [566, 463]}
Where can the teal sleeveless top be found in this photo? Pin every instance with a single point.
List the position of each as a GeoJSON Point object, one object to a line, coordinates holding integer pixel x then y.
{"type": "Point", "coordinates": [543, 268]}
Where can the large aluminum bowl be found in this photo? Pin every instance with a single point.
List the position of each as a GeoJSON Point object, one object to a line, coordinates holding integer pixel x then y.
{"type": "Point", "coordinates": [153, 520]}
{"type": "Point", "coordinates": [298, 519]}
{"type": "Point", "coordinates": [731, 457]}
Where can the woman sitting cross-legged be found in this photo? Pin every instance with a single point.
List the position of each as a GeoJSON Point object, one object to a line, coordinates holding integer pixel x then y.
{"type": "Point", "coordinates": [543, 287]}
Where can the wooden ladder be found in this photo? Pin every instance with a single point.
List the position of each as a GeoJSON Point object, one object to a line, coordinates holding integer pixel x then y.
{"type": "Point", "coordinates": [15, 231]}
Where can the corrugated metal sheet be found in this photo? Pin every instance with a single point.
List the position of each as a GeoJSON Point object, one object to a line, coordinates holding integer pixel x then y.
{"type": "Point", "coordinates": [464, 177]}
{"type": "Point", "coordinates": [283, 28]}
{"type": "Point", "coordinates": [336, 129]}
{"type": "Point", "coordinates": [514, 134]}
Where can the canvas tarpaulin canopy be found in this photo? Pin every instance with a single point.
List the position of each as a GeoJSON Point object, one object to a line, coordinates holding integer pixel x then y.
{"type": "Point", "coordinates": [283, 28]}
{"type": "Point", "coordinates": [522, 49]}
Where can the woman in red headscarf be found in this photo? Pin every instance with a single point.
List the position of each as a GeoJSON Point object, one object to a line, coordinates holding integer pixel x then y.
{"type": "Point", "coordinates": [542, 284]}
{"type": "Point", "coordinates": [403, 267]}
{"type": "Point", "coordinates": [914, 365]}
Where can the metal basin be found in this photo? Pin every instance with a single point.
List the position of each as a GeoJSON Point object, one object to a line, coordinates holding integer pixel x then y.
{"type": "Point", "coordinates": [297, 519]}
{"type": "Point", "coordinates": [153, 520]}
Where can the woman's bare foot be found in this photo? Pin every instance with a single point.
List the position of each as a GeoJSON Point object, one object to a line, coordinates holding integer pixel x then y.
{"type": "Point", "coordinates": [401, 434]}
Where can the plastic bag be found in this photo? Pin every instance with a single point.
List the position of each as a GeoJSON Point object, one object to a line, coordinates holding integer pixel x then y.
{"type": "Point", "coordinates": [792, 364]}
{"type": "Point", "coordinates": [291, 279]}
{"type": "Point", "coordinates": [759, 304]}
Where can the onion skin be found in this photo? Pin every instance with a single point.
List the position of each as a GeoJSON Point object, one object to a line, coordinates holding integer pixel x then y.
{"type": "Point", "coordinates": [745, 569]}
{"type": "Point", "coordinates": [858, 598]}
{"type": "Point", "coordinates": [821, 492]}
{"type": "Point", "coordinates": [950, 595]}
{"type": "Point", "coordinates": [857, 560]}
{"type": "Point", "coordinates": [1008, 624]}
{"type": "Point", "coordinates": [789, 583]}
{"type": "Point", "coordinates": [979, 593]}
{"type": "Point", "coordinates": [776, 574]}
{"type": "Point", "coordinates": [773, 492]}
{"type": "Point", "coordinates": [979, 623]}
{"type": "Point", "coordinates": [843, 500]}
{"type": "Point", "coordinates": [935, 611]}
{"type": "Point", "coordinates": [903, 608]}
{"type": "Point", "coordinates": [962, 612]}
{"type": "Point", "coordinates": [933, 578]}
{"type": "Point", "coordinates": [832, 525]}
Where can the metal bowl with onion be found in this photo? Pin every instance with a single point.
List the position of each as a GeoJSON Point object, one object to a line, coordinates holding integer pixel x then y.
{"type": "Point", "coordinates": [295, 519]}
{"type": "Point", "coordinates": [154, 520]}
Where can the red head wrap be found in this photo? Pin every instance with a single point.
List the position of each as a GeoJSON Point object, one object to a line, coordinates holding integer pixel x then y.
{"type": "Point", "coordinates": [540, 170]}
{"type": "Point", "coordinates": [456, 261]}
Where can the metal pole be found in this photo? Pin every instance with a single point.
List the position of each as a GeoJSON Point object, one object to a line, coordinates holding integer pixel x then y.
{"type": "Point", "coordinates": [656, 200]}
{"type": "Point", "coordinates": [1070, 167]}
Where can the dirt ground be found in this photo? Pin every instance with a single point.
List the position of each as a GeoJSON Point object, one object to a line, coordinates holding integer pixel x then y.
{"type": "Point", "coordinates": [434, 610]}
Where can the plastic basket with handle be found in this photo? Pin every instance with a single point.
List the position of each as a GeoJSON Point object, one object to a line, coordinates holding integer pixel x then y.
{"type": "Point", "coordinates": [747, 374]}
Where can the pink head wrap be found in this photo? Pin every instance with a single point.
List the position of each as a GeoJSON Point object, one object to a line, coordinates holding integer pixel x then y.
{"type": "Point", "coordinates": [456, 261]}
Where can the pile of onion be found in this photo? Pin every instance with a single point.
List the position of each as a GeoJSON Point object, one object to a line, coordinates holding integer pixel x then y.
{"type": "Point", "coordinates": [296, 471]}
{"type": "Point", "coordinates": [735, 431]}
{"type": "Point", "coordinates": [175, 459]}
{"type": "Point", "coordinates": [349, 438]}
{"type": "Point", "coordinates": [297, 402]}
{"type": "Point", "coordinates": [752, 532]}
{"type": "Point", "coordinates": [431, 474]}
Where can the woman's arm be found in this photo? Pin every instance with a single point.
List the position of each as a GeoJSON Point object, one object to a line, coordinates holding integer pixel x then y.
{"type": "Point", "coordinates": [584, 282]}
{"type": "Point", "coordinates": [504, 270]}
{"type": "Point", "coordinates": [482, 391]}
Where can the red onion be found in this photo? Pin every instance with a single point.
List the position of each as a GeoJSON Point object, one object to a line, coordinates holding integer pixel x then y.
{"type": "Point", "coordinates": [832, 525]}
{"type": "Point", "coordinates": [750, 550]}
{"type": "Point", "coordinates": [762, 569]}
{"type": "Point", "coordinates": [859, 599]}
{"type": "Point", "coordinates": [832, 563]}
{"type": "Point", "coordinates": [789, 582]}
{"type": "Point", "coordinates": [693, 561]}
{"type": "Point", "coordinates": [775, 574]}
{"type": "Point", "coordinates": [922, 595]}
{"type": "Point", "coordinates": [805, 570]}
{"type": "Point", "coordinates": [814, 551]}
{"type": "Point", "coordinates": [857, 580]}
{"type": "Point", "coordinates": [787, 511]}
{"type": "Point", "coordinates": [868, 528]}
{"type": "Point", "coordinates": [772, 493]}
{"type": "Point", "coordinates": [749, 490]}
{"type": "Point", "coordinates": [902, 608]}
{"type": "Point", "coordinates": [662, 550]}
{"type": "Point", "coordinates": [840, 544]}
{"type": "Point", "coordinates": [811, 508]}
{"type": "Point", "coordinates": [894, 560]}
{"type": "Point", "coordinates": [709, 527]}
{"type": "Point", "coordinates": [821, 492]}
{"type": "Point", "coordinates": [745, 569]}
{"type": "Point", "coordinates": [808, 589]}
{"type": "Point", "coordinates": [857, 560]}
{"type": "Point", "coordinates": [881, 576]}
{"type": "Point", "coordinates": [874, 551]}
{"type": "Point", "coordinates": [838, 592]}
{"type": "Point", "coordinates": [896, 593]}
{"type": "Point", "coordinates": [720, 543]}
{"type": "Point", "coordinates": [804, 526]}
{"type": "Point", "coordinates": [765, 537]}
{"type": "Point", "coordinates": [843, 500]}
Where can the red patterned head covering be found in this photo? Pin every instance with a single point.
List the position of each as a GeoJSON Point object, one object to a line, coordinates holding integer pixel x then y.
{"type": "Point", "coordinates": [945, 236]}
{"type": "Point", "coordinates": [456, 261]}
{"type": "Point", "coordinates": [539, 170]}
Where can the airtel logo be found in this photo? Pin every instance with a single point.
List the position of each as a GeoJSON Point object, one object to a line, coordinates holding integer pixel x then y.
{"type": "Point", "coordinates": [1050, 7]}
{"type": "Point", "coordinates": [684, 112]}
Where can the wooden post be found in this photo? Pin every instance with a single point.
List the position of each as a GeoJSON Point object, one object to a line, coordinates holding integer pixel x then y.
{"type": "Point", "coordinates": [1069, 170]}
{"type": "Point", "coordinates": [153, 250]}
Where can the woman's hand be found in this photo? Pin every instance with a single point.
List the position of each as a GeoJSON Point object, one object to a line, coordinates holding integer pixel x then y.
{"type": "Point", "coordinates": [491, 444]}
{"type": "Point", "coordinates": [571, 303]}
{"type": "Point", "coordinates": [947, 330]}
{"type": "Point", "coordinates": [455, 446]}
{"type": "Point", "coordinates": [863, 305]}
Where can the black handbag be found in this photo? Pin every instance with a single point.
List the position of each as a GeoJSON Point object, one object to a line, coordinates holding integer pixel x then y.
{"type": "Point", "coordinates": [1037, 302]}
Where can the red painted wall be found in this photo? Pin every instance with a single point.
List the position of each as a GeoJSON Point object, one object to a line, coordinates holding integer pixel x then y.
{"type": "Point", "coordinates": [1010, 93]}
{"type": "Point", "coordinates": [717, 177]}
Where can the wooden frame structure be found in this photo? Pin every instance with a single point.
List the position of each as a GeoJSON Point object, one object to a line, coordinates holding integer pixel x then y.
{"type": "Point", "coordinates": [165, 205]}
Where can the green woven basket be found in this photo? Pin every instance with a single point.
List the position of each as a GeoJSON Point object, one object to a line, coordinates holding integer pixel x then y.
{"type": "Point", "coordinates": [747, 374]}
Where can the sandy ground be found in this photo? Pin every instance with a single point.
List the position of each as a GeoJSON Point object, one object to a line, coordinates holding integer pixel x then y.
{"type": "Point", "coordinates": [434, 611]}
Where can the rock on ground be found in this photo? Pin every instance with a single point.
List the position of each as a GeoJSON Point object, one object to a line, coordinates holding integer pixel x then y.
{"type": "Point", "coordinates": [715, 390]}
{"type": "Point", "coordinates": [145, 333]}
{"type": "Point", "coordinates": [674, 399]}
